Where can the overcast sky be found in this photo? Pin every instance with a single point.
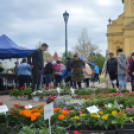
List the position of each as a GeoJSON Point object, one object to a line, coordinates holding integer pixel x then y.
{"type": "Point", "coordinates": [28, 22]}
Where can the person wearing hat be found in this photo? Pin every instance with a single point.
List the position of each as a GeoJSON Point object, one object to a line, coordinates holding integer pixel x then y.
{"type": "Point", "coordinates": [122, 68]}
{"type": "Point", "coordinates": [77, 66]}
{"type": "Point", "coordinates": [130, 69]}
{"type": "Point", "coordinates": [111, 69]}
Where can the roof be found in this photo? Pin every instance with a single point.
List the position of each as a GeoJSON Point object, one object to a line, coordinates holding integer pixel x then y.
{"type": "Point", "coordinates": [55, 57]}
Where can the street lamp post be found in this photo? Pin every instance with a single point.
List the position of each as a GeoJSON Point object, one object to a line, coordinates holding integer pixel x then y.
{"type": "Point", "coordinates": [92, 54]}
{"type": "Point", "coordinates": [66, 17]}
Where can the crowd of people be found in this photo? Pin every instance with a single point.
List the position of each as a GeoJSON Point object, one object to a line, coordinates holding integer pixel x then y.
{"type": "Point", "coordinates": [116, 70]}
{"type": "Point", "coordinates": [74, 71]}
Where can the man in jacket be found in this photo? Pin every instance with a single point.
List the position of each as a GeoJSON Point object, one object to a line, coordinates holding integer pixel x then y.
{"type": "Point", "coordinates": [37, 65]}
{"type": "Point", "coordinates": [48, 71]}
{"type": "Point", "coordinates": [111, 69]}
{"type": "Point", "coordinates": [130, 70]}
{"type": "Point", "coordinates": [122, 68]}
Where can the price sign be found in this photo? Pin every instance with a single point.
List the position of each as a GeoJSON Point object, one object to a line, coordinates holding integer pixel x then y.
{"type": "Point", "coordinates": [3, 109]}
{"type": "Point", "coordinates": [93, 109]}
{"type": "Point", "coordinates": [48, 111]}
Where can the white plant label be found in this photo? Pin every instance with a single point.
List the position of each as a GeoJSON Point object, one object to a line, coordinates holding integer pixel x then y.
{"type": "Point", "coordinates": [72, 91]}
{"type": "Point", "coordinates": [48, 111]}
{"type": "Point", "coordinates": [116, 104]}
{"type": "Point", "coordinates": [3, 109]}
{"type": "Point", "coordinates": [93, 109]}
{"type": "Point", "coordinates": [109, 105]}
{"type": "Point", "coordinates": [29, 106]}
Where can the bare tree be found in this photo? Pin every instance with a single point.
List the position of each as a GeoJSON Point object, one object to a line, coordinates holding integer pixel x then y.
{"type": "Point", "coordinates": [84, 46]}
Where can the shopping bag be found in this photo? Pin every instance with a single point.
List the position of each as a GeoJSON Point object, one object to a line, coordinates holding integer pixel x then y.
{"type": "Point", "coordinates": [64, 73]}
{"type": "Point", "coordinates": [102, 78]}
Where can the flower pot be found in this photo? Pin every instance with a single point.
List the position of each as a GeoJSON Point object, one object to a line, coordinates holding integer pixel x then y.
{"type": "Point", "coordinates": [129, 125]}
{"type": "Point", "coordinates": [125, 131]}
{"type": "Point", "coordinates": [14, 97]}
{"type": "Point", "coordinates": [36, 99]}
{"type": "Point", "coordinates": [25, 97]}
{"type": "Point", "coordinates": [44, 98]}
{"type": "Point", "coordinates": [94, 131]}
{"type": "Point", "coordinates": [64, 129]}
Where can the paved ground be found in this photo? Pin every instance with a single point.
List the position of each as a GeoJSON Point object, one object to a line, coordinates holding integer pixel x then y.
{"type": "Point", "coordinates": [9, 102]}
{"type": "Point", "coordinates": [6, 99]}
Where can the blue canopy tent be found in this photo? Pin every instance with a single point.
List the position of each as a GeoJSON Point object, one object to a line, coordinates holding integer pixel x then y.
{"type": "Point", "coordinates": [92, 64]}
{"type": "Point", "coordinates": [8, 49]}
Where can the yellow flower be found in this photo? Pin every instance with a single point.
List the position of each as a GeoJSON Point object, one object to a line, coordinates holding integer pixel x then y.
{"type": "Point", "coordinates": [97, 116]}
{"type": "Point", "coordinates": [83, 115]}
{"type": "Point", "coordinates": [100, 112]}
{"type": "Point", "coordinates": [104, 117]}
{"type": "Point", "coordinates": [92, 115]}
{"type": "Point", "coordinates": [76, 117]}
{"type": "Point", "coordinates": [114, 112]}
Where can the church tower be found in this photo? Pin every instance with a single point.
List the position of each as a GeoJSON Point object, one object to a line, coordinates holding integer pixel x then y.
{"type": "Point", "coordinates": [120, 32]}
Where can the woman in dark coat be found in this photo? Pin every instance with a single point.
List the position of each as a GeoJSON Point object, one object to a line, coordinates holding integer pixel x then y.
{"type": "Point", "coordinates": [77, 66]}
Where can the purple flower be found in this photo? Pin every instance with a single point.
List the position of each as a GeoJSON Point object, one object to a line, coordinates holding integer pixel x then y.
{"type": "Point", "coordinates": [55, 106]}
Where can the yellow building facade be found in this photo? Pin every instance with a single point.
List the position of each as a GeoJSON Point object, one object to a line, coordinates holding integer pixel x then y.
{"type": "Point", "coordinates": [120, 32]}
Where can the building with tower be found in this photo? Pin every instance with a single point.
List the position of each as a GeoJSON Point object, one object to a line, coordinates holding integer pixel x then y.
{"type": "Point", "coordinates": [120, 32]}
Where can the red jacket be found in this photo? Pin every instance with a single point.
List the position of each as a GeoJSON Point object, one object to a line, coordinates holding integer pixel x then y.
{"type": "Point", "coordinates": [130, 63]}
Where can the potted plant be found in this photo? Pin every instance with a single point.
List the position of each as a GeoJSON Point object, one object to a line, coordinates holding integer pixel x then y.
{"type": "Point", "coordinates": [50, 99]}
{"type": "Point", "coordinates": [14, 93]}
{"type": "Point", "coordinates": [54, 92]}
{"type": "Point", "coordinates": [36, 96]}
{"type": "Point", "coordinates": [26, 93]}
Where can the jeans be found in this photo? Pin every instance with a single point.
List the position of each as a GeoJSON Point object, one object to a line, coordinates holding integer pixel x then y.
{"type": "Point", "coordinates": [132, 81]}
{"type": "Point", "coordinates": [48, 79]}
{"type": "Point", "coordinates": [58, 79]}
{"type": "Point", "coordinates": [41, 81]}
{"type": "Point", "coordinates": [96, 78]}
{"type": "Point", "coordinates": [122, 81]}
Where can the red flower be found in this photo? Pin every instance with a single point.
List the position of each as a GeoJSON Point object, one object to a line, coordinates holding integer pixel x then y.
{"type": "Point", "coordinates": [1, 103]}
{"type": "Point", "coordinates": [76, 132]}
{"type": "Point", "coordinates": [11, 89]}
{"type": "Point", "coordinates": [47, 88]}
{"type": "Point", "coordinates": [16, 111]}
{"type": "Point", "coordinates": [23, 107]}
{"type": "Point", "coordinates": [12, 112]}
{"type": "Point", "coordinates": [43, 86]}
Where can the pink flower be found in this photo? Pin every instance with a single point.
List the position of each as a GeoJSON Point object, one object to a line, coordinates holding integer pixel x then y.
{"type": "Point", "coordinates": [71, 111]}
{"type": "Point", "coordinates": [80, 112]}
{"type": "Point", "coordinates": [128, 110]}
{"type": "Point", "coordinates": [133, 109]}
